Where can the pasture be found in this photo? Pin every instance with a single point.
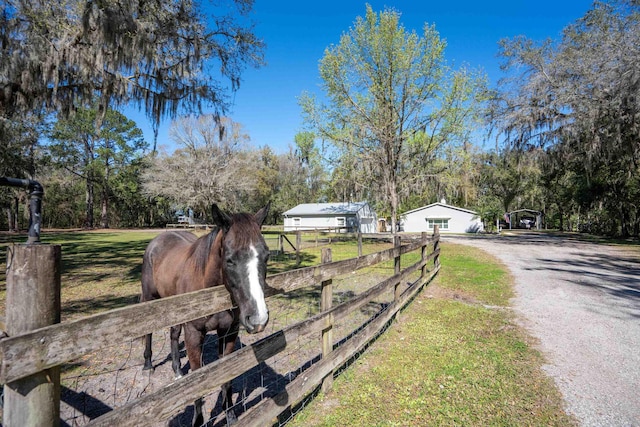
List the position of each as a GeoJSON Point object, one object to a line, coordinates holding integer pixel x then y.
{"type": "Point", "coordinates": [454, 357]}
{"type": "Point", "coordinates": [101, 271]}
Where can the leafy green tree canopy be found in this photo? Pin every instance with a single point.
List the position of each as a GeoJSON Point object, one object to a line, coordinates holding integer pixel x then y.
{"type": "Point", "coordinates": [96, 158]}
{"type": "Point", "coordinates": [161, 55]}
{"type": "Point", "coordinates": [391, 101]}
{"type": "Point", "coordinates": [579, 98]}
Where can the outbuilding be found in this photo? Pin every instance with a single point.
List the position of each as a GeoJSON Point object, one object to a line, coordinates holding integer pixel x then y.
{"type": "Point", "coordinates": [524, 218]}
{"type": "Point", "coordinates": [450, 219]}
{"type": "Point", "coordinates": [339, 216]}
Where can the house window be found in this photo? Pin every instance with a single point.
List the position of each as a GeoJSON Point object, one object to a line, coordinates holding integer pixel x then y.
{"type": "Point", "coordinates": [296, 222]}
{"type": "Point", "coordinates": [443, 223]}
{"type": "Point", "coordinates": [340, 222]}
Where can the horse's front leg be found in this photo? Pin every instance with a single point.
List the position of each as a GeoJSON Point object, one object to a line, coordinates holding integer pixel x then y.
{"type": "Point", "coordinates": [147, 353]}
{"type": "Point", "coordinates": [175, 350]}
{"type": "Point", "coordinates": [193, 341]}
{"type": "Point", "coordinates": [226, 345]}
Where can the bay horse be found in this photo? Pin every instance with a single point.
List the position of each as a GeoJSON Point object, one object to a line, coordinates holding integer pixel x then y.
{"type": "Point", "coordinates": [234, 254]}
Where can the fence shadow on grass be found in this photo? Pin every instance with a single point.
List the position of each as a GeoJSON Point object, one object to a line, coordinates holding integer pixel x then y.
{"type": "Point", "coordinates": [96, 304]}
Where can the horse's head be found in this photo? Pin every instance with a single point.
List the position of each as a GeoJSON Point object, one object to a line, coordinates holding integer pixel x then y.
{"type": "Point", "coordinates": [244, 262]}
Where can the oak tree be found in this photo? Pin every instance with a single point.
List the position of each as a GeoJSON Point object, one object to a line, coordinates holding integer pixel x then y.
{"type": "Point", "coordinates": [391, 103]}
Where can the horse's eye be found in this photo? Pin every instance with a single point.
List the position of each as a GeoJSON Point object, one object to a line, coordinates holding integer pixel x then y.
{"type": "Point", "coordinates": [230, 261]}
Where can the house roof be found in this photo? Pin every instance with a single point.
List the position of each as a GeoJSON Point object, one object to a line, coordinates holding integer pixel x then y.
{"type": "Point", "coordinates": [338, 208]}
{"type": "Point", "coordinates": [525, 210]}
{"type": "Point", "coordinates": [441, 205]}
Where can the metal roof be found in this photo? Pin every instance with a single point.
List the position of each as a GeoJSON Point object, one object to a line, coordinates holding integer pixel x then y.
{"type": "Point", "coordinates": [338, 208]}
{"type": "Point", "coordinates": [444, 205]}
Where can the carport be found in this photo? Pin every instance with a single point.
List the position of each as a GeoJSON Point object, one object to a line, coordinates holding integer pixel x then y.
{"type": "Point", "coordinates": [524, 215]}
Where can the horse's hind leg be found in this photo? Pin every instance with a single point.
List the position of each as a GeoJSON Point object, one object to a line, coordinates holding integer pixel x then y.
{"type": "Point", "coordinates": [147, 353]}
{"type": "Point", "coordinates": [193, 341]}
{"type": "Point", "coordinates": [145, 296]}
{"type": "Point", "coordinates": [226, 345]}
{"type": "Point", "coordinates": [198, 418]}
{"type": "Point", "coordinates": [175, 350]}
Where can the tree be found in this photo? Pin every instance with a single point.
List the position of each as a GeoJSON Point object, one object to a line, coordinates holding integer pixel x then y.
{"type": "Point", "coordinates": [578, 99]}
{"type": "Point", "coordinates": [267, 176]}
{"type": "Point", "coordinates": [310, 162]}
{"type": "Point", "coordinates": [159, 55]}
{"type": "Point", "coordinates": [18, 158]}
{"type": "Point", "coordinates": [213, 165]}
{"type": "Point", "coordinates": [392, 101]}
{"type": "Point", "coordinates": [510, 176]}
{"type": "Point", "coordinates": [96, 158]}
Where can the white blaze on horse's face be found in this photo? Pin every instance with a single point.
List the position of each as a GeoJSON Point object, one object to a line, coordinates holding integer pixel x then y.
{"type": "Point", "coordinates": [255, 289]}
{"type": "Point", "coordinates": [246, 270]}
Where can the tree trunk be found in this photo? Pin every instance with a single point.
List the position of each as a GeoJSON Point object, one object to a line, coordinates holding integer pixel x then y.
{"type": "Point", "coordinates": [625, 229]}
{"type": "Point", "coordinates": [16, 217]}
{"type": "Point", "coordinates": [392, 190]}
{"type": "Point", "coordinates": [88, 223]}
{"type": "Point", "coordinates": [9, 218]}
{"type": "Point", "coordinates": [104, 219]}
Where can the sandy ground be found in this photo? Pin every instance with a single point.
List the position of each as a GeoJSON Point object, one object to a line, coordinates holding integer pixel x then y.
{"type": "Point", "coordinates": [581, 301]}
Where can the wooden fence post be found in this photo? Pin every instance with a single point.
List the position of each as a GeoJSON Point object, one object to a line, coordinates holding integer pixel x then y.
{"type": "Point", "coordinates": [326, 302]}
{"type": "Point", "coordinates": [423, 253]}
{"type": "Point", "coordinates": [298, 245]}
{"type": "Point", "coordinates": [33, 301]}
{"type": "Point", "coordinates": [359, 243]}
{"type": "Point", "coordinates": [436, 245]}
{"type": "Point", "coordinates": [281, 244]}
{"type": "Point", "coordinates": [397, 290]}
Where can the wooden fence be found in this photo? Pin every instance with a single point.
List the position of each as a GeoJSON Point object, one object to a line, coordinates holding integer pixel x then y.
{"type": "Point", "coordinates": [32, 354]}
{"type": "Point", "coordinates": [282, 241]}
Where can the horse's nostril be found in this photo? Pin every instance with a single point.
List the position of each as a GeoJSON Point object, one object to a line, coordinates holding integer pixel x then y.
{"type": "Point", "coordinates": [255, 324]}
{"type": "Point", "coordinates": [247, 324]}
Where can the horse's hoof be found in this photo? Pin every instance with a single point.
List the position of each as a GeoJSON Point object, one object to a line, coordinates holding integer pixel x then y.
{"type": "Point", "coordinates": [177, 377]}
{"type": "Point", "coordinates": [198, 420]}
{"type": "Point", "coordinates": [148, 368]}
{"type": "Point", "coordinates": [231, 417]}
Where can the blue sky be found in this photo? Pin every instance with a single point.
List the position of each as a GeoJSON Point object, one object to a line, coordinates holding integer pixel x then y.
{"type": "Point", "coordinates": [297, 33]}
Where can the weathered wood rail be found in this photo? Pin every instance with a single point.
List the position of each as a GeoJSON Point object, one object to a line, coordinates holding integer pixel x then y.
{"type": "Point", "coordinates": [33, 352]}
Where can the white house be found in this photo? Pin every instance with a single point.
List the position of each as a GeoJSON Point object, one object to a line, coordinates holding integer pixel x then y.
{"type": "Point", "coordinates": [451, 219]}
{"type": "Point", "coordinates": [348, 216]}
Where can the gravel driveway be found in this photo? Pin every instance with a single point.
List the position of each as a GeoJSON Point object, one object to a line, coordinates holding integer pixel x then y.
{"type": "Point", "coordinates": [582, 302]}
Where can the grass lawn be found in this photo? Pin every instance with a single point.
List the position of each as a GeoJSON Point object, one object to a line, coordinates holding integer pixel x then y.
{"type": "Point", "coordinates": [455, 357]}
{"type": "Point", "coordinates": [101, 269]}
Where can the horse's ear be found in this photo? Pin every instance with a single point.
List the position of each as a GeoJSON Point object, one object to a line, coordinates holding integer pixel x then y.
{"type": "Point", "coordinates": [261, 215]}
{"type": "Point", "coordinates": [220, 218]}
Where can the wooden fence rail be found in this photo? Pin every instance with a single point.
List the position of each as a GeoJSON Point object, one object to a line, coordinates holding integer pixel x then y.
{"type": "Point", "coordinates": [35, 351]}
{"type": "Point", "coordinates": [25, 354]}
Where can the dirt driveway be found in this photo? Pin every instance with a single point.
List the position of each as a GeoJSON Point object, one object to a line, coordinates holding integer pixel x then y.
{"type": "Point", "coordinates": [582, 302]}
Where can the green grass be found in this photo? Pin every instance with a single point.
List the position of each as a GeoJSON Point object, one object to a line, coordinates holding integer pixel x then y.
{"type": "Point", "coordinates": [453, 358]}
{"type": "Point", "coordinates": [447, 361]}
{"type": "Point", "coordinates": [101, 269]}
{"type": "Point", "coordinates": [476, 274]}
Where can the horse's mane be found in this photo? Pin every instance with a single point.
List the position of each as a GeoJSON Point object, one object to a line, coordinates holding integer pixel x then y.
{"type": "Point", "coordinates": [200, 250]}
